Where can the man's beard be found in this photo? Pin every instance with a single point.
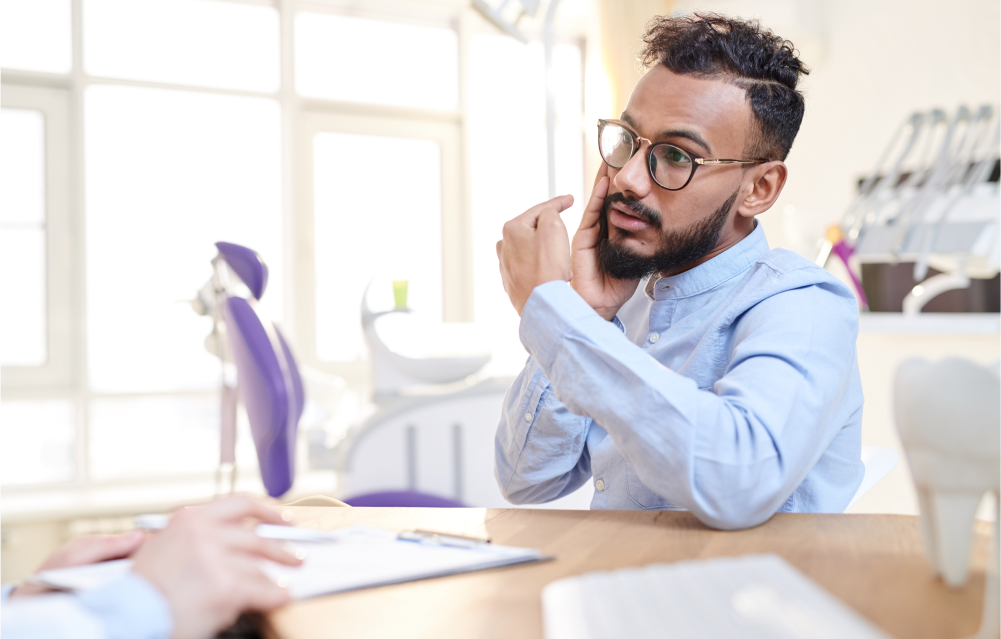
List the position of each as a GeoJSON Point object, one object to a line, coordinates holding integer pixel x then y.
{"type": "Point", "coordinates": [677, 248]}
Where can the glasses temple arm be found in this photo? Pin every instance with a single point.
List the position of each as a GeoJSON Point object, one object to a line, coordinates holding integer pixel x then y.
{"type": "Point", "coordinates": [708, 161]}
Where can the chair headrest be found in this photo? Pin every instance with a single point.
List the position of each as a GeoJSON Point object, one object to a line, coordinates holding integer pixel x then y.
{"type": "Point", "coordinates": [247, 264]}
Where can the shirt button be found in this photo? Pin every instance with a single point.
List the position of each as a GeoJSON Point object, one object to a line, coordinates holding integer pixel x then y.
{"type": "Point", "coordinates": [528, 417]}
{"type": "Point", "coordinates": [654, 337]}
{"type": "Point", "coordinates": [600, 485]}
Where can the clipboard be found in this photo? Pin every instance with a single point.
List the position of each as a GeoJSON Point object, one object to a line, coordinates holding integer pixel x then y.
{"type": "Point", "coordinates": [353, 558]}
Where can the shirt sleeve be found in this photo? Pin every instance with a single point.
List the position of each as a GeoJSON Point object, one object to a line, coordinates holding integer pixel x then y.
{"type": "Point", "coordinates": [731, 456]}
{"type": "Point", "coordinates": [539, 447]}
{"type": "Point", "coordinates": [127, 608]}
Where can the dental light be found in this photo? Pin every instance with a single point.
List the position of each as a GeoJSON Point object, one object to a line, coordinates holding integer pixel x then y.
{"type": "Point", "coordinates": [500, 15]}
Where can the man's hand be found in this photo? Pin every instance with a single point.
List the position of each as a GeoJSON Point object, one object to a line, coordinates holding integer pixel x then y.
{"type": "Point", "coordinates": [535, 250]}
{"type": "Point", "coordinates": [89, 549]}
{"type": "Point", "coordinates": [205, 562]}
{"type": "Point", "coordinates": [605, 294]}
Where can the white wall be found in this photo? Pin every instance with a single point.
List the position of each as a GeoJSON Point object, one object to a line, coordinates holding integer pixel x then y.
{"type": "Point", "coordinates": [873, 62]}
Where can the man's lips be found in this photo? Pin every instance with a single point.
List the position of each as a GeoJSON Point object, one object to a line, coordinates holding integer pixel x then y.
{"type": "Point", "coordinates": [622, 218]}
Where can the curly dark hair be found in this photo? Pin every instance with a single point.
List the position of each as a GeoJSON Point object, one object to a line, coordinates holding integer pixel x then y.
{"type": "Point", "coordinates": [740, 52]}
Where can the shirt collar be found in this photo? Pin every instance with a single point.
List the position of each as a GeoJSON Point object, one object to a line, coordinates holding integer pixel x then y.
{"type": "Point", "coordinates": [707, 275]}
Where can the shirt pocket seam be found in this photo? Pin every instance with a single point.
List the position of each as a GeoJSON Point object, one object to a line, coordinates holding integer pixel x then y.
{"type": "Point", "coordinates": [629, 493]}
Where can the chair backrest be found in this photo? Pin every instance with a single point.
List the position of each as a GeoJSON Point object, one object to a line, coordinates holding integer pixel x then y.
{"type": "Point", "coordinates": [271, 389]}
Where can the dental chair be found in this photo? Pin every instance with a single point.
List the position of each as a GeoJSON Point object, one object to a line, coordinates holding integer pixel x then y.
{"type": "Point", "coordinates": [267, 378]}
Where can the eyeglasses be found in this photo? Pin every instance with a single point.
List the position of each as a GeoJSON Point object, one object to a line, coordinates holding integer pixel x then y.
{"type": "Point", "coordinates": [671, 167]}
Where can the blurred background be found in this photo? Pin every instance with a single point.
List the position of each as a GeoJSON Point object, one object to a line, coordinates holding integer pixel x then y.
{"type": "Point", "coordinates": [350, 143]}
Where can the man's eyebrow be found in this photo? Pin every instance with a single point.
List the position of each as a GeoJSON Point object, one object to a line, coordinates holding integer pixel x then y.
{"type": "Point", "coordinates": [673, 133]}
{"type": "Point", "coordinates": [688, 135]}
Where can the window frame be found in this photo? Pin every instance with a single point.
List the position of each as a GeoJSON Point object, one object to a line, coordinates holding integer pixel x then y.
{"type": "Point", "coordinates": [65, 223]}
{"type": "Point", "coordinates": [456, 298]}
{"type": "Point", "coordinates": [61, 303]}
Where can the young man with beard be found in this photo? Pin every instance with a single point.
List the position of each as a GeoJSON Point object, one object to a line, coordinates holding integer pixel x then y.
{"type": "Point", "coordinates": [726, 383]}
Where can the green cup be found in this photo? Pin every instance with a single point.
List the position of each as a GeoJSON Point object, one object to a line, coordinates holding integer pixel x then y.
{"type": "Point", "coordinates": [400, 293]}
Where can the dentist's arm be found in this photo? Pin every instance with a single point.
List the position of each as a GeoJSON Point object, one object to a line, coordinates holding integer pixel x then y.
{"type": "Point", "coordinates": [189, 581]}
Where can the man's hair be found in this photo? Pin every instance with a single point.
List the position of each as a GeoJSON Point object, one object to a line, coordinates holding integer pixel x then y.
{"type": "Point", "coordinates": [740, 52]}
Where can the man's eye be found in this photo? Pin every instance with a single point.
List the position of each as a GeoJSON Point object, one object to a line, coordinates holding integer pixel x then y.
{"type": "Point", "coordinates": [676, 157]}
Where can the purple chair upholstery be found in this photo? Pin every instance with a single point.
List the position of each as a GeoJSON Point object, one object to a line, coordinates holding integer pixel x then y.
{"type": "Point", "coordinates": [247, 264]}
{"type": "Point", "coordinates": [402, 499]}
{"type": "Point", "coordinates": [271, 389]}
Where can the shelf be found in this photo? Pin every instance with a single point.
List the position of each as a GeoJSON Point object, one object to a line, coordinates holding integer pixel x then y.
{"type": "Point", "coordinates": [931, 323]}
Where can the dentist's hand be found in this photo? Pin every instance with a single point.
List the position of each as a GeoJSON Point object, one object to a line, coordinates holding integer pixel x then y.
{"type": "Point", "coordinates": [89, 549]}
{"type": "Point", "coordinates": [535, 250]}
{"type": "Point", "coordinates": [605, 294]}
{"type": "Point", "coordinates": [206, 564]}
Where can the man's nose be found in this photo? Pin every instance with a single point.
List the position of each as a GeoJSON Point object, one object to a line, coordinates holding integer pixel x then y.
{"type": "Point", "coordinates": [633, 180]}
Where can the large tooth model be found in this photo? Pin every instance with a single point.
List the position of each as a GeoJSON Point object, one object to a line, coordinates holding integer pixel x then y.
{"type": "Point", "coordinates": [949, 418]}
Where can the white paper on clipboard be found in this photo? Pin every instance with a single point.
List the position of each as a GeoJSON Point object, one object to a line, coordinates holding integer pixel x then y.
{"type": "Point", "coordinates": [364, 556]}
{"type": "Point", "coordinates": [356, 557]}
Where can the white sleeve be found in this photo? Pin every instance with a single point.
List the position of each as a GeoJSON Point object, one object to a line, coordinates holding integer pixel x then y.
{"type": "Point", "coordinates": [127, 608]}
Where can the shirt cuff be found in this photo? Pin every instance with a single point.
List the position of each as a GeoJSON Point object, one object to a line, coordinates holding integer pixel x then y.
{"type": "Point", "coordinates": [130, 608]}
{"type": "Point", "coordinates": [5, 592]}
{"type": "Point", "coordinates": [551, 311]}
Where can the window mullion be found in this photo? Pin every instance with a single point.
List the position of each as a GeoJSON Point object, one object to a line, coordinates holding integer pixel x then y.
{"type": "Point", "coordinates": [78, 300]}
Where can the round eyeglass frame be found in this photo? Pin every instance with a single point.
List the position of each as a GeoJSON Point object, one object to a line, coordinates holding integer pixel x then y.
{"type": "Point", "coordinates": [637, 144]}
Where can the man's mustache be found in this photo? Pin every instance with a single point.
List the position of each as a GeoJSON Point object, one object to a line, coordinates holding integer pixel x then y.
{"type": "Point", "coordinates": [636, 208]}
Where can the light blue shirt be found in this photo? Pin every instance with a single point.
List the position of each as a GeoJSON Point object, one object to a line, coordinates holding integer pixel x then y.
{"type": "Point", "coordinates": [127, 608]}
{"type": "Point", "coordinates": [731, 390]}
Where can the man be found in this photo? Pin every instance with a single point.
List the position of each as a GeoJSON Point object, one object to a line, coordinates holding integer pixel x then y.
{"type": "Point", "coordinates": [727, 382]}
{"type": "Point", "coordinates": [188, 581]}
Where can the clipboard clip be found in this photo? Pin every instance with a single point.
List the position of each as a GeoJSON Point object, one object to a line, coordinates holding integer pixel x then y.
{"type": "Point", "coordinates": [441, 539]}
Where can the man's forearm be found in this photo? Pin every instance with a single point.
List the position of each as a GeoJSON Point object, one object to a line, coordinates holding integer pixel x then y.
{"type": "Point", "coordinates": [540, 452]}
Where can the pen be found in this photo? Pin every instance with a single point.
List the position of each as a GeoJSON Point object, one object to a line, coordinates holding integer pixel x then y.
{"type": "Point", "coordinates": [442, 539]}
{"type": "Point", "coordinates": [268, 531]}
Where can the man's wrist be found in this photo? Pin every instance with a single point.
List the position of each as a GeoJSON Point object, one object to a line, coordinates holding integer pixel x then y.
{"type": "Point", "coordinates": [608, 313]}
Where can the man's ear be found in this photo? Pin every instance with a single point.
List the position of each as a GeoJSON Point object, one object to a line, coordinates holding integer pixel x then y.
{"type": "Point", "coordinates": [764, 184]}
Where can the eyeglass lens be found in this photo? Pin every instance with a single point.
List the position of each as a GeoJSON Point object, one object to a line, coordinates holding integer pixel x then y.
{"type": "Point", "coordinates": [670, 166]}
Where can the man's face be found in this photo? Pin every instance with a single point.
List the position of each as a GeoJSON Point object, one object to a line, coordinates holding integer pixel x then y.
{"type": "Point", "coordinates": [646, 228]}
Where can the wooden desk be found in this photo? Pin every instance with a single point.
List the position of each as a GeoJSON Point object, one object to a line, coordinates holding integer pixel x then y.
{"type": "Point", "coordinates": [874, 563]}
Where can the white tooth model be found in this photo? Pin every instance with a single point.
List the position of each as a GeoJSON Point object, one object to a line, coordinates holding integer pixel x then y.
{"type": "Point", "coordinates": [949, 418]}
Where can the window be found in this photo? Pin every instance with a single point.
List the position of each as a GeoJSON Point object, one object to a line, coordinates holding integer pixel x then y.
{"type": "Point", "coordinates": [168, 174]}
{"type": "Point", "coordinates": [35, 35]}
{"type": "Point", "coordinates": [508, 161]}
{"type": "Point", "coordinates": [366, 230]}
{"type": "Point", "coordinates": [177, 126]}
{"type": "Point", "coordinates": [202, 43]}
{"type": "Point", "coordinates": [404, 65]}
{"type": "Point", "coordinates": [22, 247]}
{"type": "Point", "coordinates": [36, 345]}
